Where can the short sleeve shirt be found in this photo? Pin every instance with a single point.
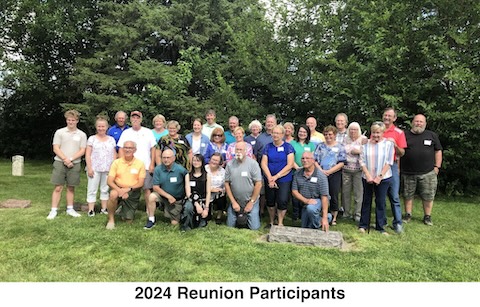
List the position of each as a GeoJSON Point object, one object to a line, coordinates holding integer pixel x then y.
{"type": "Point", "coordinates": [277, 159]}
{"type": "Point", "coordinates": [70, 142]}
{"type": "Point", "coordinates": [127, 173]}
{"type": "Point", "coordinates": [171, 181]}
{"type": "Point", "coordinates": [242, 177]}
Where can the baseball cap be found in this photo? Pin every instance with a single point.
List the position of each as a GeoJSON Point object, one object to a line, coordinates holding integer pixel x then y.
{"type": "Point", "coordinates": [138, 113]}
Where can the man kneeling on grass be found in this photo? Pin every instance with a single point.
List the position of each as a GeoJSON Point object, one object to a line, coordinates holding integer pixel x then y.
{"type": "Point", "coordinates": [170, 184]}
{"type": "Point", "coordinates": [125, 179]}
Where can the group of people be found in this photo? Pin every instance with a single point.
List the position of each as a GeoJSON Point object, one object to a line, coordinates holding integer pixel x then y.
{"type": "Point", "coordinates": [198, 177]}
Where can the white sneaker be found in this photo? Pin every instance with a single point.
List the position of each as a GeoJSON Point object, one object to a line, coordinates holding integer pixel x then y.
{"type": "Point", "coordinates": [73, 213]}
{"type": "Point", "coordinates": [103, 211]}
{"type": "Point", "coordinates": [52, 215]}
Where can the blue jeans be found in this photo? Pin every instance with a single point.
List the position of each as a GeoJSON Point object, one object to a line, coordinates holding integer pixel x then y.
{"type": "Point", "coordinates": [253, 216]}
{"type": "Point", "coordinates": [393, 196]}
{"type": "Point", "coordinates": [380, 200]}
{"type": "Point", "coordinates": [311, 215]}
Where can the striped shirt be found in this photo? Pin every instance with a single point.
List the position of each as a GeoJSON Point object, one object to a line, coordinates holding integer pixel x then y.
{"type": "Point", "coordinates": [375, 155]}
{"type": "Point", "coordinates": [312, 187]}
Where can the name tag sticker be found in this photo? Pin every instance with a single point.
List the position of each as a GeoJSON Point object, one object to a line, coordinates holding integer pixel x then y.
{"type": "Point", "coordinates": [181, 142]}
{"type": "Point", "coordinates": [314, 179]}
{"type": "Point", "coordinates": [192, 183]}
{"type": "Point", "coordinates": [427, 142]}
{"type": "Point", "coordinates": [202, 145]}
{"type": "Point", "coordinates": [173, 179]}
{"type": "Point", "coordinates": [279, 149]}
{"type": "Point", "coordinates": [244, 174]}
{"type": "Point", "coordinates": [134, 171]}
{"type": "Point", "coordinates": [253, 142]}
{"type": "Point", "coordinates": [335, 149]}
{"type": "Point", "coordinates": [307, 148]}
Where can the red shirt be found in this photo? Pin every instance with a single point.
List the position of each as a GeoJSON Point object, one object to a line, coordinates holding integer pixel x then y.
{"type": "Point", "coordinates": [398, 135]}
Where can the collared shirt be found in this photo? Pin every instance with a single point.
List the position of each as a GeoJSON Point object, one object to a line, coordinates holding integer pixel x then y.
{"type": "Point", "coordinates": [262, 140]}
{"type": "Point", "coordinates": [145, 141]}
{"type": "Point", "coordinates": [317, 138]}
{"type": "Point", "coordinates": [171, 180]}
{"type": "Point", "coordinates": [69, 142]}
{"type": "Point", "coordinates": [341, 136]}
{"type": "Point", "coordinates": [115, 131]}
{"type": "Point", "coordinates": [375, 155]}
{"type": "Point", "coordinates": [229, 138]}
{"type": "Point", "coordinates": [311, 187]}
{"type": "Point", "coordinates": [398, 135]}
{"type": "Point", "coordinates": [127, 173]}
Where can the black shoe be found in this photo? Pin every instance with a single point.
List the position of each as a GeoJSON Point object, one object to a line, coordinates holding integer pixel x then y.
{"type": "Point", "coordinates": [149, 225]}
{"type": "Point", "coordinates": [407, 217]}
{"type": "Point", "coordinates": [268, 226]}
{"type": "Point", "coordinates": [427, 220]}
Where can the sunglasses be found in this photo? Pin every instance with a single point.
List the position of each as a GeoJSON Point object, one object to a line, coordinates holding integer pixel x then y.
{"type": "Point", "coordinates": [217, 135]}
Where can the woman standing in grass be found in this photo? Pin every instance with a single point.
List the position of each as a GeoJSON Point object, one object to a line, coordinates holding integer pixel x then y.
{"type": "Point", "coordinates": [99, 155]}
{"type": "Point", "coordinates": [352, 172]}
{"type": "Point", "coordinates": [277, 164]}
{"type": "Point", "coordinates": [218, 197]}
{"type": "Point", "coordinates": [197, 140]}
{"type": "Point", "coordinates": [330, 158]}
{"type": "Point", "coordinates": [197, 206]}
{"type": "Point", "coordinates": [376, 159]}
{"type": "Point", "coordinates": [301, 144]}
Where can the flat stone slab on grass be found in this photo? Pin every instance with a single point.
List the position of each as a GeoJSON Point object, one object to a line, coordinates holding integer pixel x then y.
{"type": "Point", "coordinates": [16, 203]}
{"type": "Point", "coordinates": [305, 236]}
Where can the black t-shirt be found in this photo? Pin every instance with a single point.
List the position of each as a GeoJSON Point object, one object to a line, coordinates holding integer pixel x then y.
{"type": "Point", "coordinates": [419, 155]}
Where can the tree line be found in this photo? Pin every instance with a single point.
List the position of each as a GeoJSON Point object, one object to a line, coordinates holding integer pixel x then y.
{"type": "Point", "coordinates": [293, 58]}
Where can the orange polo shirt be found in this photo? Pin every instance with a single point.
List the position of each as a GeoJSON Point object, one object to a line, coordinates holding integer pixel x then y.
{"type": "Point", "coordinates": [127, 174]}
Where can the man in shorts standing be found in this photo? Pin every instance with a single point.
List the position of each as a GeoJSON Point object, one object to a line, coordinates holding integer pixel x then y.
{"type": "Point", "coordinates": [420, 166]}
{"type": "Point", "coordinates": [69, 144]}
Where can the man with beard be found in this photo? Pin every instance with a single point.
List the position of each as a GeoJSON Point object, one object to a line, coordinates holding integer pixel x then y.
{"type": "Point", "coordinates": [243, 182]}
{"type": "Point", "coordinates": [420, 166]}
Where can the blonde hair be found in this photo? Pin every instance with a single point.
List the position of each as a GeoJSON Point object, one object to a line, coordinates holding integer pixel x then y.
{"type": "Point", "coordinates": [72, 113]}
{"type": "Point", "coordinates": [158, 117]}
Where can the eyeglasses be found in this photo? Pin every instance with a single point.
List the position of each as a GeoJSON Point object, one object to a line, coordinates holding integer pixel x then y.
{"type": "Point", "coordinates": [303, 158]}
{"type": "Point", "coordinates": [129, 148]}
{"type": "Point", "coordinates": [217, 135]}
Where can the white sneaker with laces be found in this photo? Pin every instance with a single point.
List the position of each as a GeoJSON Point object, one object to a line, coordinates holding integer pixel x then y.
{"type": "Point", "coordinates": [73, 213]}
{"type": "Point", "coordinates": [52, 215]}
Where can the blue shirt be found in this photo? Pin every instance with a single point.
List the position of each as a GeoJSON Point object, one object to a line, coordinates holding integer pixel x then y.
{"type": "Point", "coordinates": [115, 131]}
{"type": "Point", "coordinates": [327, 157]}
{"type": "Point", "coordinates": [262, 140]}
{"type": "Point", "coordinates": [277, 159]}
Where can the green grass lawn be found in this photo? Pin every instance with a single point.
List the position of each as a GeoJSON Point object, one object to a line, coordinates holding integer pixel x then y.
{"type": "Point", "coordinates": [78, 250]}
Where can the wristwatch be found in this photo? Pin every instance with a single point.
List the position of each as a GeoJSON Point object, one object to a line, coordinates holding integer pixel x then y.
{"type": "Point", "coordinates": [381, 175]}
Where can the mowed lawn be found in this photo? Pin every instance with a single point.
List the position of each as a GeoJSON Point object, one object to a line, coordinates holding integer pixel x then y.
{"type": "Point", "coordinates": [79, 250]}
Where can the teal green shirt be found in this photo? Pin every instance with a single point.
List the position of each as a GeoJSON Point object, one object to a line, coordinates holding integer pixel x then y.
{"type": "Point", "coordinates": [300, 149]}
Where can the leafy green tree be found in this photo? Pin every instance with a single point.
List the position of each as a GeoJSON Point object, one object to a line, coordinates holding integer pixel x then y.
{"type": "Point", "coordinates": [39, 44]}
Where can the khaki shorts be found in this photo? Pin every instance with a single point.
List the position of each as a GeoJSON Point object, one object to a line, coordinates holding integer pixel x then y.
{"type": "Point", "coordinates": [148, 183]}
{"type": "Point", "coordinates": [425, 185]}
{"type": "Point", "coordinates": [171, 211]}
{"type": "Point", "coordinates": [62, 175]}
{"type": "Point", "coordinates": [129, 205]}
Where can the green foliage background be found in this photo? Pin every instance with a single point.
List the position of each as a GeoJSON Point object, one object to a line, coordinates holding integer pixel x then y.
{"type": "Point", "coordinates": [181, 57]}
